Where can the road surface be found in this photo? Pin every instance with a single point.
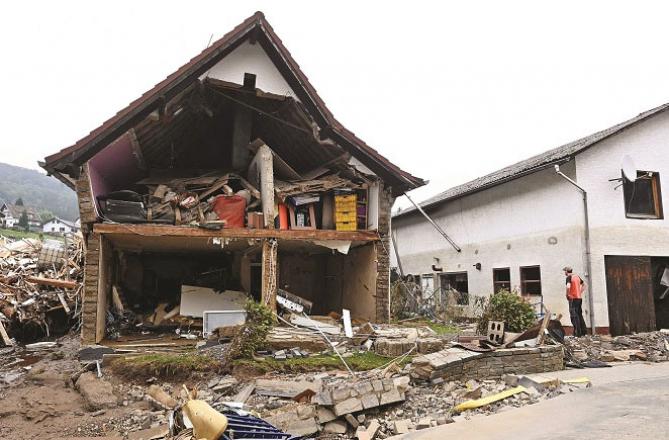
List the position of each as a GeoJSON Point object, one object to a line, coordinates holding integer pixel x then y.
{"type": "Point", "coordinates": [625, 402]}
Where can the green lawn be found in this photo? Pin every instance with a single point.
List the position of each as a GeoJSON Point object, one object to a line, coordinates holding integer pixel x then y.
{"type": "Point", "coordinates": [18, 235]}
{"type": "Point", "coordinates": [357, 362]}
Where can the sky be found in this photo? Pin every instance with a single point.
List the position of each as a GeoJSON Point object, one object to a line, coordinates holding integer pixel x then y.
{"type": "Point", "coordinates": [449, 91]}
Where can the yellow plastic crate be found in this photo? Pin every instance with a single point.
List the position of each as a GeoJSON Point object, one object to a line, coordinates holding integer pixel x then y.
{"type": "Point", "coordinates": [345, 206]}
{"type": "Point", "coordinates": [345, 216]}
{"type": "Point", "coordinates": [346, 226]}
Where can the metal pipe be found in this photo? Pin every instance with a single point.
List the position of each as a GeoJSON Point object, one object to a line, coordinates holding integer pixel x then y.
{"type": "Point", "coordinates": [586, 236]}
{"type": "Point", "coordinates": [393, 239]}
{"type": "Point", "coordinates": [436, 226]}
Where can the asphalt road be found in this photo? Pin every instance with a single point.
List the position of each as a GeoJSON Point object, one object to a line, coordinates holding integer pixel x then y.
{"type": "Point", "coordinates": [625, 402]}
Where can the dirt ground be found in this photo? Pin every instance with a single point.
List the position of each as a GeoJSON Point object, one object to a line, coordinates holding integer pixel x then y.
{"type": "Point", "coordinates": [44, 404]}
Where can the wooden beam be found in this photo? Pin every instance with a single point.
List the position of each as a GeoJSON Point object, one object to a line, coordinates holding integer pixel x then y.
{"type": "Point", "coordinates": [5, 337]}
{"type": "Point", "coordinates": [270, 273]}
{"type": "Point", "coordinates": [153, 230]}
{"type": "Point", "coordinates": [63, 284]}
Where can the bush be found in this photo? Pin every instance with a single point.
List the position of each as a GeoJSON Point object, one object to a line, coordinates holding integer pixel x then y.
{"type": "Point", "coordinates": [510, 308]}
{"type": "Point", "coordinates": [259, 321]}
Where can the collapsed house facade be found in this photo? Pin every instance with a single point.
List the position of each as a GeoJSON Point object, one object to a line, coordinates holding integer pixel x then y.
{"type": "Point", "coordinates": [518, 227]}
{"type": "Point", "coordinates": [231, 174]}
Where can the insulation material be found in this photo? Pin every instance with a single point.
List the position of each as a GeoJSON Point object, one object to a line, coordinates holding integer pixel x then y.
{"type": "Point", "coordinates": [195, 300]}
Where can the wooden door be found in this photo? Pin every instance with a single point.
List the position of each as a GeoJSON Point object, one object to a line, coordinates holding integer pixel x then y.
{"type": "Point", "coordinates": [629, 291]}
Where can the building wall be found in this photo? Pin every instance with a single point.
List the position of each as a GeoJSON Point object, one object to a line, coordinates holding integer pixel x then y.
{"type": "Point", "coordinates": [612, 233]}
{"type": "Point", "coordinates": [510, 225]}
{"type": "Point", "coordinates": [251, 58]}
{"type": "Point", "coordinates": [533, 220]}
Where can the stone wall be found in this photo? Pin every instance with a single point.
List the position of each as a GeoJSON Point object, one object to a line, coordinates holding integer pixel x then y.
{"type": "Point", "coordinates": [458, 364]}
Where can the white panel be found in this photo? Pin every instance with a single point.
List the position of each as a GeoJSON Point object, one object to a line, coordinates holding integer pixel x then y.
{"type": "Point", "coordinates": [251, 58]}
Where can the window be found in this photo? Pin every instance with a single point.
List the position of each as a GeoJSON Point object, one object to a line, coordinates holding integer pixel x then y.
{"type": "Point", "coordinates": [642, 197]}
{"type": "Point", "coordinates": [457, 283]}
{"type": "Point", "coordinates": [427, 282]}
{"type": "Point", "coordinates": [530, 280]}
{"type": "Point", "coordinates": [501, 279]}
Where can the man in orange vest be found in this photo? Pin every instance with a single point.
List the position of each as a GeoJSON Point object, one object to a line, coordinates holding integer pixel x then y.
{"type": "Point", "coordinates": [574, 289]}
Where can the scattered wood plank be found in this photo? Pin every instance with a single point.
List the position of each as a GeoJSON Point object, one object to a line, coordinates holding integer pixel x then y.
{"type": "Point", "coordinates": [61, 298]}
{"type": "Point", "coordinates": [243, 395]}
{"type": "Point", "coordinates": [63, 284]}
{"type": "Point", "coordinates": [5, 337]}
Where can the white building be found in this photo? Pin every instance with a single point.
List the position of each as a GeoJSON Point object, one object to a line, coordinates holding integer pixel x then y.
{"type": "Point", "coordinates": [518, 227]}
{"type": "Point", "coordinates": [57, 225]}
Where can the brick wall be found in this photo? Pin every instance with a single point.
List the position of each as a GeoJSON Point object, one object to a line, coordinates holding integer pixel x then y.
{"type": "Point", "coordinates": [382, 248]}
{"type": "Point", "coordinates": [494, 364]}
{"type": "Point", "coordinates": [90, 295]}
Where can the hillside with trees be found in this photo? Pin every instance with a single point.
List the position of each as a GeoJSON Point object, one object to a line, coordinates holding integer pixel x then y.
{"type": "Point", "coordinates": [37, 190]}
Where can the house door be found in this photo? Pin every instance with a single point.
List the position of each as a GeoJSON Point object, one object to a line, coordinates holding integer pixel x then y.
{"type": "Point", "coordinates": [629, 290]}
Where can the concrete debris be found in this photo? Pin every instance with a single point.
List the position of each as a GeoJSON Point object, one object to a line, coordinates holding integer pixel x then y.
{"type": "Point", "coordinates": [97, 393]}
{"type": "Point", "coordinates": [651, 346]}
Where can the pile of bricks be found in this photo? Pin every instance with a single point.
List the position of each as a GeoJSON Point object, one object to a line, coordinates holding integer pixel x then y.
{"type": "Point", "coordinates": [458, 364]}
{"type": "Point", "coordinates": [363, 395]}
{"type": "Point", "coordinates": [397, 347]}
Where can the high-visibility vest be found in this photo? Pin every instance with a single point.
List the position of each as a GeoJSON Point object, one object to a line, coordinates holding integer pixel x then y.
{"type": "Point", "coordinates": [575, 288]}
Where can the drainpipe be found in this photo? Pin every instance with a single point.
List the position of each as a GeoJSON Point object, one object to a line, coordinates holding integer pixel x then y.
{"type": "Point", "coordinates": [586, 235]}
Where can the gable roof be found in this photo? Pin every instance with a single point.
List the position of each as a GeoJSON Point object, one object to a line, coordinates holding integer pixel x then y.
{"type": "Point", "coordinates": [536, 163]}
{"type": "Point", "coordinates": [257, 29]}
{"type": "Point", "coordinates": [67, 223]}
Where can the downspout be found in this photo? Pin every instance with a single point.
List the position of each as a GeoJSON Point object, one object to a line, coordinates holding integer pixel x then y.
{"type": "Point", "coordinates": [586, 235]}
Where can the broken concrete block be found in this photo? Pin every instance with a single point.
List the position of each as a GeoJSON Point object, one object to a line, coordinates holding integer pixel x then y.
{"type": "Point", "coordinates": [306, 411]}
{"type": "Point", "coordinates": [538, 382]}
{"type": "Point", "coordinates": [510, 379]}
{"type": "Point", "coordinates": [391, 396]}
{"type": "Point", "coordinates": [97, 393]}
{"type": "Point", "coordinates": [324, 415]}
{"type": "Point", "coordinates": [370, 401]}
{"type": "Point", "coordinates": [377, 385]}
{"type": "Point", "coordinates": [401, 426]}
{"type": "Point", "coordinates": [352, 421]}
{"type": "Point", "coordinates": [303, 427]}
{"type": "Point", "coordinates": [402, 383]}
{"type": "Point", "coordinates": [424, 423]}
{"type": "Point", "coordinates": [340, 394]}
{"type": "Point", "coordinates": [160, 398]}
{"type": "Point", "coordinates": [323, 398]}
{"type": "Point", "coordinates": [335, 427]}
{"type": "Point", "coordinates": [348, 406]}
{"type": "Point", "coordinates": [370, 432]}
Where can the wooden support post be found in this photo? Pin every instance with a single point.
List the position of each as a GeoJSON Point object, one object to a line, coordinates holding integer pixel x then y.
{"type": "Point", "coordinates": [261, 175]}
{"type": "Point", "coordinates": [104, 287]}
{"type": "Point", "coordinates": [270, 272]}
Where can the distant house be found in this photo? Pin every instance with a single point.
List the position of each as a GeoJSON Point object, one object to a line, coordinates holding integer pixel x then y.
{"type": "Point", "coordinates": [518, 227]}
{"type": "Point", "coordinates": [57, 225]}
{"type": "Point", "coordinates": [11, 214]}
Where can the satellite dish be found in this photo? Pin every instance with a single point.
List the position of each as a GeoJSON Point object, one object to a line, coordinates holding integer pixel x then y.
{"type": "Point", "coordinates": [629, 169]}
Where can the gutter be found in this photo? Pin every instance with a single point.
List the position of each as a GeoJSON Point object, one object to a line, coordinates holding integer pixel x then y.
{"type": "Point", "coordinates": [586, 236]}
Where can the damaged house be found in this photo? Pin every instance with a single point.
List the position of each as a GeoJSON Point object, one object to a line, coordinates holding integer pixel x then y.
{"type": "Point", "coordinates": [228, 179]}
{"type": "Point", "coordinates": [516, 228]}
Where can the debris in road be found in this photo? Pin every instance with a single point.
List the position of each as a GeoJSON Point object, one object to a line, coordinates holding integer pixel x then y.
{"type": "Point", "coordinates": [472, 404]}
{"type": "Point", "coordinates": [97, 393]}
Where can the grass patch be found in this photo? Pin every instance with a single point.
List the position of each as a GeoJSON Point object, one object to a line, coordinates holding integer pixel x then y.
{"type": "Point", "coordinates": [166, 366]}
{"type": "Point", "coordinates": [443, 329]}
{"type": "Point", "coordinates": [20, 235]}
{"type": "Point", "coordinates": [357, 362]}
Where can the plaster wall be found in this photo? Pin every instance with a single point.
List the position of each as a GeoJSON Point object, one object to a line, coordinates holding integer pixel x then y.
{"type": "Point", "coordinates": [251, 58]}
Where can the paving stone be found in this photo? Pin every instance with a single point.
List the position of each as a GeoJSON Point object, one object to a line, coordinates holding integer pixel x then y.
{"type": "Point", "coordinates": [348, 406]}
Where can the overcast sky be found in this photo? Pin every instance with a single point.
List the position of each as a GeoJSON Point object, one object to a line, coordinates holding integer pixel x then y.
{"type": "Point", "coordinates": [448, 92]}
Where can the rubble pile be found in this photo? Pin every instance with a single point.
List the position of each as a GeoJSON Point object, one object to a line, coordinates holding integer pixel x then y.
{"type": "Point", "coordinates": [40, 285]}
{"type": "Point", "coordinates": [651, 346]}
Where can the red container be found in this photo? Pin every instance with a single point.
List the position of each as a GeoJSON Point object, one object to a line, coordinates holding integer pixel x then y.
{"type": "Point", "coordinates": [231, 209]}
{"type": "Point", "coordinates": [283, 216]}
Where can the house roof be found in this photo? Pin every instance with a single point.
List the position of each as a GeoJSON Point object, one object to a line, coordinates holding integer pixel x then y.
{"type": "Point", "coordinates": [256, 28]}
{"type": "Point", "coordinates": [536, 163]}
{"type": "Point", "coordinates": [67, 223]}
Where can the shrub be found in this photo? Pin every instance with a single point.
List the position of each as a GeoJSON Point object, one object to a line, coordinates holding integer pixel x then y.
{"type": "Point", "coordinates": [259, 321]}
{"type": "Point", "coordinates": [510, 308]}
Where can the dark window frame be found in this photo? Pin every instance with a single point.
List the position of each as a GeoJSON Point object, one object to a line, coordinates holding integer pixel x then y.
{"type": "Point", "coordinates": [463, 297]}
{"type": "Point", "coordinates": [495, 282]}
{"type": "Point", "coordinates": [656, 190]}
{"type": "Point", "coordinates": [524, 281]}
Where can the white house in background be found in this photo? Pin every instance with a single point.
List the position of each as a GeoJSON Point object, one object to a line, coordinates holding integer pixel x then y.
{"type": "Point", "coordinates": [57, 225]}
{"type": "Point", "coordinates": [519, 226]}
{"type": "Point", "coordinates": [11, 214]}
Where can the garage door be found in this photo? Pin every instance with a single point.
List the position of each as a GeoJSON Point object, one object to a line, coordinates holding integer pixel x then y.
{"type": "Point", "coordinates": [629, 290]}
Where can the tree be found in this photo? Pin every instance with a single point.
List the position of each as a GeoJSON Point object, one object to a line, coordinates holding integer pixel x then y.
{"type": "Point", "coordinates": [23, 221]}
{"type": "Point", "coordinates": [19, 202]}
